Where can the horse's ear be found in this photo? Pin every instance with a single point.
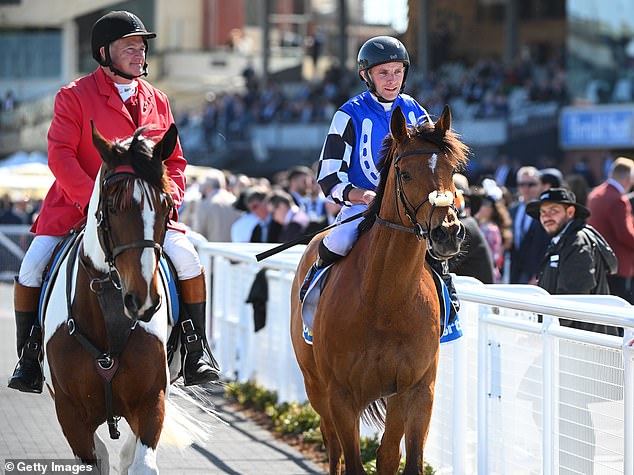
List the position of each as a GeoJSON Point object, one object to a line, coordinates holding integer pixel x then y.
{"type": "Point", "coordinates": [398, 126]}
{"type": "Point", "coordinates": [443, 124]}
{"type": "Point", "coordinates": [101, 144]}
{"type": "Point", "coordinates": [165, 147]}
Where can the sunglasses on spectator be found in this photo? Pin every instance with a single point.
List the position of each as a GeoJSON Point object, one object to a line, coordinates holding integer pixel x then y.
{"type": "Point", "coordinates": [528, 183]}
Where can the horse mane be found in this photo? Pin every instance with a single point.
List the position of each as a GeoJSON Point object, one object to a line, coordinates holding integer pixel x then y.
{"type": "Point", "coordinates": [137, 152]}
{"type": "Point", "coordinates": [449, 143]}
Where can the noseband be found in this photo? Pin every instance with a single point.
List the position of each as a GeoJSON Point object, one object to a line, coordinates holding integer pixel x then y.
{"type": "Point", "coordinates": [436, 198]}
{"type": "Point", "coordinates": [111, 250]}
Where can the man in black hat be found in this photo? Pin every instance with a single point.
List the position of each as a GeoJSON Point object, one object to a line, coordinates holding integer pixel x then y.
{"type": "Point", "coordinates": [578, 259]}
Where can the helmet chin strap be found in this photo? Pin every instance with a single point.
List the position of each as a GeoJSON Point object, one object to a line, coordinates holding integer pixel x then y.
{"type": "Point", "coordinates": [125, 75]}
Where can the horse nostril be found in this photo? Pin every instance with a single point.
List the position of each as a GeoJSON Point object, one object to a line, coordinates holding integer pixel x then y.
{"type": "Point", "coordinates": [439, 234]}
{"type": "Point", "coordinates": [131, 303]}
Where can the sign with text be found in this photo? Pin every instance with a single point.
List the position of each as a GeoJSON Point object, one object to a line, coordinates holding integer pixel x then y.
{"type": "Point", "coordinates": [610, 126]}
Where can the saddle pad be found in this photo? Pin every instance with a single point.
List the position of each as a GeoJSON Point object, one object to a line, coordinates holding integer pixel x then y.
{"type": "Point", "coordinates": [51, 273]}
{"type": "Point", "coordinates": [311, 299]}
{"type": "Point", "coordinates": [452, 331]}
{"type": "Point", "coordinates": [166, 271]}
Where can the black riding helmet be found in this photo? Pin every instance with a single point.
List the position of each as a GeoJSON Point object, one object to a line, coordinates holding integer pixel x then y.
{"type": "Point", "coordinates": [111, 27]}
{"type": "Point", "coordinates": [381, 50]}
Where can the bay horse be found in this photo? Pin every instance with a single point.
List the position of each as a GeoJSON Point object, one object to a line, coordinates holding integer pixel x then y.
{"type": "Point", "coordinates": [376, 328]}
{"type": "Point", "coordinates": [106, 323]}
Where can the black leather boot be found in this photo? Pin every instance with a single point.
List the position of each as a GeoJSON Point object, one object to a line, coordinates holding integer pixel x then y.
{"type": "Point", "coordinates": [198, 364]}
{"type": "Point", "coordinates": [27, 375]}
{"type": "Point", "coordinates": [325, 258]}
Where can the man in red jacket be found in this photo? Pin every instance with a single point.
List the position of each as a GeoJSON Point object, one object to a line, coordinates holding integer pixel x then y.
{"type": "Point", "coordinates": [612, 217]}
{"type": "Point", "coordinates": [118, 102]}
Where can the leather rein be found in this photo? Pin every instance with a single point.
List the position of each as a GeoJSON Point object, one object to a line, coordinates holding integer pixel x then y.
{"type": "Point", "coordinates": [411, 210]}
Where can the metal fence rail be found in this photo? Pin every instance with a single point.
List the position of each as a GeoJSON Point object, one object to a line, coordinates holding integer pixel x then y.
{"type": "Point", "coordinates": [517, 394]}
{"type": "Point", "coordinates": [14, 241]}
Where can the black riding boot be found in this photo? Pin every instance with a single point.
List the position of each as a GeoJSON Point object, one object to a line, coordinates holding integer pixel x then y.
{"type": "Point", "coordinates": [326, 257]}
{"type": "Point", "coordinates": [442, 269]}
{"type": "Point", "coordinates": [199, 366]}
{"type": "Point", "coordinates": [27, 376]}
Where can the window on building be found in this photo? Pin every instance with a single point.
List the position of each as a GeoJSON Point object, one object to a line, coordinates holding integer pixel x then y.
{"type": "Point", "coordinates": [31, 54]}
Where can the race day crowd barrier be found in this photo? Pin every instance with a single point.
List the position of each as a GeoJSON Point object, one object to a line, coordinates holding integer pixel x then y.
{"type": "Point", "coordinates": [517, 394]}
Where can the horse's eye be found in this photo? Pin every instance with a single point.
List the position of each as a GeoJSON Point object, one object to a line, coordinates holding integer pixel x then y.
{"type": "Point", "coordinates": [406, 176]}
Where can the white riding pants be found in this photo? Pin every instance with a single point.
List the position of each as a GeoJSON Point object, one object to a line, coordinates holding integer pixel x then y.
{"type": "Point", "coordinates": [177, 246]}
{"type": "Point", "coordinates": [342, 237]}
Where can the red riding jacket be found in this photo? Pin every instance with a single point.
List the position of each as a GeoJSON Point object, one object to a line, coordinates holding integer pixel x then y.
{"type": "Point", "coordinates": [72, 156]}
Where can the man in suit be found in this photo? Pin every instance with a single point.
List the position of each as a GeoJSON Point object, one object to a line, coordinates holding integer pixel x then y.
{"type": "Point", "coordinates": [612, 217]}
{"type": "Point", "coordinates": [216, 212]}
{"type": "Point", "coordinates": [529, 238]}
{"type": "Point", "coordinates": [266, 229]}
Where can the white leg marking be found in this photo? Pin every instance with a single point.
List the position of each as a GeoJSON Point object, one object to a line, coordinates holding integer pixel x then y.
{"type": "Point", "coordinates": [126, 456]}
{"type": "Point", "coordinates": [101, 453]}
{"type": "Point", "coordinates": [144, 461]}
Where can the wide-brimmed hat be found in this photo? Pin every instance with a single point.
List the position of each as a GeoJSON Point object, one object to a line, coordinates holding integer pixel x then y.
{"type": "Point", "coordinates": [557, 195]}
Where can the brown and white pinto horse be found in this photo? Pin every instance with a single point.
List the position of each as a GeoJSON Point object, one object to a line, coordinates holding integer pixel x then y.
{"type": "Point", "coordinates": [376, 329]}
{"type": "Point", "coordinates": [105, 328]}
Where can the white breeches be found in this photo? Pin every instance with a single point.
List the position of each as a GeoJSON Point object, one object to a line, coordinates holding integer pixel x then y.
{"type": "Point", "coordinates": [179, 249]}
{"type": "Point", "coordinates": [342, 237]}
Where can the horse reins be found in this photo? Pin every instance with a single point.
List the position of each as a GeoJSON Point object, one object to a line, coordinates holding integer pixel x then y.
{"type": "Point", "coordinates": [411, 210]}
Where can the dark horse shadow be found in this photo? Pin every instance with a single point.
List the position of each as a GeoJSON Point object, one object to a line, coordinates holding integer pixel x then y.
{"type": "Point", "coordinates": [376, 329]}
{"type": "Point", "coordinates": [106, 321]}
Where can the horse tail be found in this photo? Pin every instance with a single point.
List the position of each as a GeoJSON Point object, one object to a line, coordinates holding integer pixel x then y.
{"type": "Point", "coordinates": [374, 414]}
{"type": "Point", "coordinates": [183, 425]}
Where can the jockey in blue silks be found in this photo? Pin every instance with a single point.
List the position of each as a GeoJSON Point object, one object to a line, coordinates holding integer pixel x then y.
{"type": "Point", "coordinates": [348, 172]}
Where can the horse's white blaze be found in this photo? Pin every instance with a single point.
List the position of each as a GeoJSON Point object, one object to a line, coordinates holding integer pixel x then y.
{"type": "Point", "coordinates": [432, 163]}
{"type": "Point", "coordinates": [148, 255]}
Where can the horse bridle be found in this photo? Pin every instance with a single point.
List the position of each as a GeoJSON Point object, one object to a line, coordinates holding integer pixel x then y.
{"type": "Point", "coordinates": [111, 251]}
{"type": "Point", "coordinates": [411, 210]}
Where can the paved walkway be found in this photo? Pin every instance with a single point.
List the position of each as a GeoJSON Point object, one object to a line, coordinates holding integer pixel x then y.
{"type": "Point", "coordinates": [235, 445]}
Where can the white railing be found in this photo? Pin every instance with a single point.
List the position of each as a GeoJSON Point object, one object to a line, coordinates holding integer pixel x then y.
{"type": "Point", "coordinates": [517, 394]}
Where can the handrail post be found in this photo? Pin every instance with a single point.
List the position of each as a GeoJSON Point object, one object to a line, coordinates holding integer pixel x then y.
{"type": "Point", "coordinates": [483, 382]}
{"type": "Point", "coordinates": [628, 401]}
{"type": "Point", "coordinates": [549, 399]}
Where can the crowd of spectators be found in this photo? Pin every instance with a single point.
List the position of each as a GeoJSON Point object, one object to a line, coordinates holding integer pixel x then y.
{"type": "Point", "coordinates": [486, 89]}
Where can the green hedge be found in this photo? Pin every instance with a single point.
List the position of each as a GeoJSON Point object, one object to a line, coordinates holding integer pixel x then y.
{"type": "Point", "coordinates": [298, 419]}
